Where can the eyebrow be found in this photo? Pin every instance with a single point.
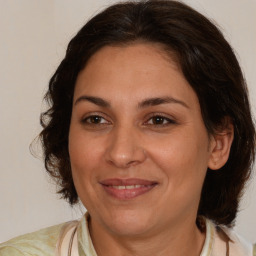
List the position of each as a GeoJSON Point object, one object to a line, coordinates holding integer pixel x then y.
{"type": "Point", "coordinates": [160, 100]}
{"type": "Point", "coordinates": [95, 100]}
{"type": "Point", "coordinates": [145, 103]}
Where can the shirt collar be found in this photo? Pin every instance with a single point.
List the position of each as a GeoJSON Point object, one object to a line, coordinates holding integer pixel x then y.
{"type": "Point", "coordinates": [86, 248]}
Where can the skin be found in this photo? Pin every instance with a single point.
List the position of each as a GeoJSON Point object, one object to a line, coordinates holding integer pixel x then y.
{"type": "Point", "coordinates": [127, 140]}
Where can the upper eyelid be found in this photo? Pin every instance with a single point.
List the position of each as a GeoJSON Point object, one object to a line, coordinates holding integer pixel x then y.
{"type": "Point", "coordinates": [170, 121]}
{"type": "Point", "coordinates": [146, 118]}
{"type": "Point", "coordinates": [97, 113]}
{"type": "Point", "coordinates": [85, 120]}
{"type": "Point", "coordinates": [166, 116]}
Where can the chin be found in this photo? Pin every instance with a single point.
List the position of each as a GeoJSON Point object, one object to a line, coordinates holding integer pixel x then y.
{"type": "Point", "coordinates": [129, 224]}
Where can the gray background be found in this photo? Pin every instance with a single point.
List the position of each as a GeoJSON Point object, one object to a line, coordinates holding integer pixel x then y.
{"type": "Point", "coordinates": [34, 36]}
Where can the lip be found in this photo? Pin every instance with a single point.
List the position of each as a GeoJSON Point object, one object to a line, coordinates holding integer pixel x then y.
{"type": "Point", "coordinates": [125, 189]}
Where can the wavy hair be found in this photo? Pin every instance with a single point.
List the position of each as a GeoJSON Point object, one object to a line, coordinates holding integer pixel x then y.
{"type": "Point", "coordinates": [209, 65]}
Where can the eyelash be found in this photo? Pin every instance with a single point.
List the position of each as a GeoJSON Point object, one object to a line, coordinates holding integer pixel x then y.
{"type": "Point", "coordinates": [166, 120]}
{"type": "Point", "coordinates": [85, 120]}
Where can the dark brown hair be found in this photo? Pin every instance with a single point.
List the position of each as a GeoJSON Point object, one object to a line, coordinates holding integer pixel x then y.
{"type": "Point", "coordinates": [207, 62]}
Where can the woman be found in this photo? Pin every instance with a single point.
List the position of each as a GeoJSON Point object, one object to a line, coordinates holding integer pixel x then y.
{"type": "Point", "coordinates": [148, 117]}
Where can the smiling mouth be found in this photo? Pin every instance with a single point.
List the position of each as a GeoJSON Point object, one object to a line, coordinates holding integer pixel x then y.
{"type": "Point", "coordinates": [125, 189]}
{"type": "Point", "coordinates": [129, 187]}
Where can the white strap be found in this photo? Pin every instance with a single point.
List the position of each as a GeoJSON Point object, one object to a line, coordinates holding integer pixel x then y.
{"type": "Point", "coordinates": [74, 248]}
{"type": "Point", "coordinates": [67, 244]}
{"type": "Point", "coordinates": [236, 245]}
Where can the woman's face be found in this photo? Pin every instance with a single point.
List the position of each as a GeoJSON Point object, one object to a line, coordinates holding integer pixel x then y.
{"type": "Point", "coordinates": [138, 146]}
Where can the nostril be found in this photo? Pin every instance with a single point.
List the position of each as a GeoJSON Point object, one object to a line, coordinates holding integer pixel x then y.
{"type": "Point", "coordinates": [124, 148]}
{"type": "Point", "coordinates": [126, 158]}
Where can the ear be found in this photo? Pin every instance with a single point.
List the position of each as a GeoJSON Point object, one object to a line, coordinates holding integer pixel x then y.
{"type": "Point", "coordinates": [220, 145]}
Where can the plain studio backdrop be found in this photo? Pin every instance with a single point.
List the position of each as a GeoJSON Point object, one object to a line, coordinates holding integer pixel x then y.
{"type": "Point", "coordinates": [33, 40]}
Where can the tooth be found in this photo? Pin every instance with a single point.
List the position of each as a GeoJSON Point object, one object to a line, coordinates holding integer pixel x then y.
{"type": "Point", "coordinates": [119, 187]}
{"type": "Point", "coordinates": [130, 187]}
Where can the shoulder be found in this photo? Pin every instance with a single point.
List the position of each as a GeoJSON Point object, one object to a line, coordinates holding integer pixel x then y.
{"type": "Point", "coordinates": [238, 243]}
{"type": "Point", "coordinates": [40, 243]}
{"type": "Point", "coordinates": [227, 240]}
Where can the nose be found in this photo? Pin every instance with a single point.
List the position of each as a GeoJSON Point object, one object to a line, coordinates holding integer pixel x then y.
{"type": "Point", "coordinates": [125, 148]}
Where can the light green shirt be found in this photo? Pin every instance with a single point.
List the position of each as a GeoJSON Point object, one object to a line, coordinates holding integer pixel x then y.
{"type": "Point", "coordinates": [43, 242]}
{"type": "Point", "coordinates": [40, 243]}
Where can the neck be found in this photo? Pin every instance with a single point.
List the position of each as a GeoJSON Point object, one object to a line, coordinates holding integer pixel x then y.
{"type": "Point", "coordinates": [179, 240]}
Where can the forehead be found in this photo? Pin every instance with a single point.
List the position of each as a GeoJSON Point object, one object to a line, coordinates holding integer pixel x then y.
{"type": "Point", "coordinates": [134, 71]}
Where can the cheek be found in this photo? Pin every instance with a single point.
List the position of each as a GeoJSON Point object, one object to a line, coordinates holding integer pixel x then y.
{"type": "Point", "coordinates": [183, 161]}
{"type": "Point", "coordinates": [182, 156]}
{"type": "Point", "coordinates": [84, 155]}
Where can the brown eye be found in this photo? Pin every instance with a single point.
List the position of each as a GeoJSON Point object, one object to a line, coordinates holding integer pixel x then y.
{"type": "Point", "coordinates": [94, 119]}
{"type": "Point", "coordinates": [159, 120]}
